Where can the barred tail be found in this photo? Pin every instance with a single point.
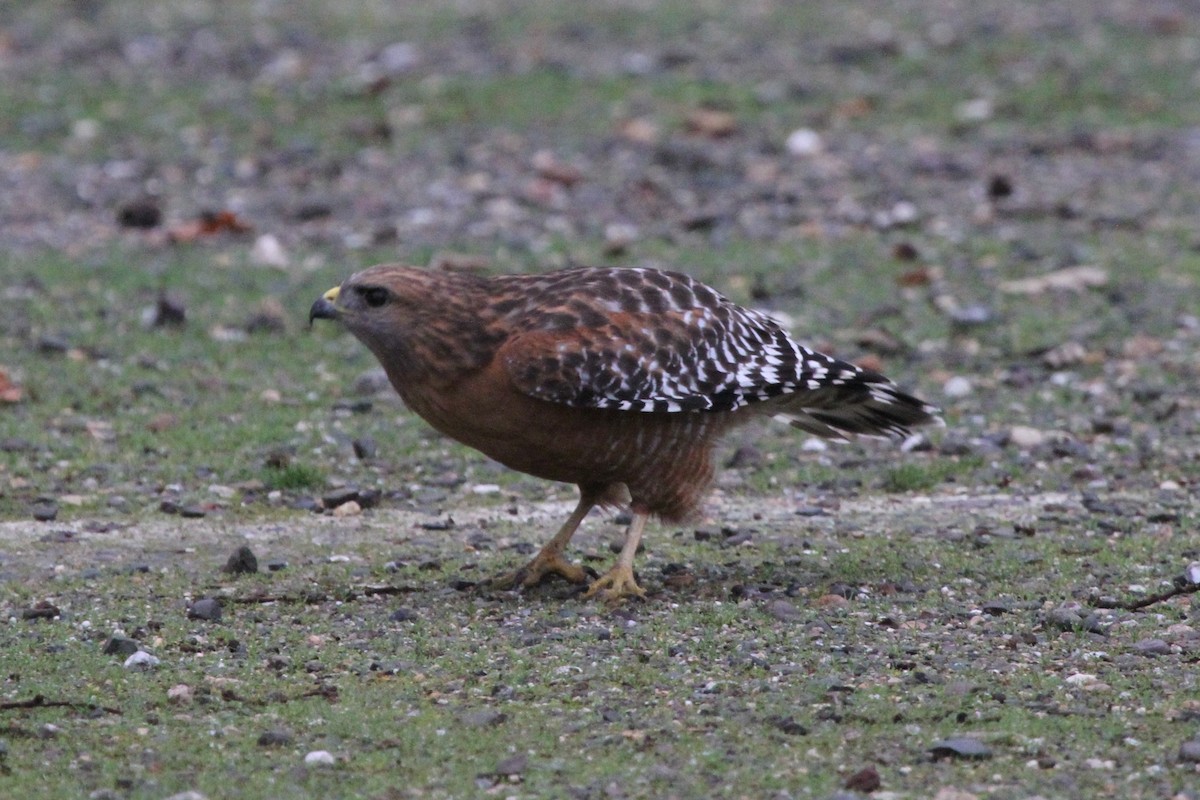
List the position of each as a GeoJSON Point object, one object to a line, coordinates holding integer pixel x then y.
{"type": "Point", "coordinates": [868, 405]}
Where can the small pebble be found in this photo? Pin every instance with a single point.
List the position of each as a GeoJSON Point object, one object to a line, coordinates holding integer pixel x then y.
{"type": "Point", "coordinates": [44, 512]}
{"type": "Point", "coordinates": [141, 660]}
{"type": "Point", "coordinates": [277, 737]}
{"type": "Point", "coordinates": [318, 758]}
{"type": "Point", "coordinates": [960, 747]}
{"type": "Point", "coordinates": [1026, 438]}
{"type": "Point", "coordinates": [179, 694]}
{"type": "Point", "coordinates": [1190, 751]}
{"type": "Point", "coordinates": [339, 497]}
{"type": "Point", "coordinates": [804, 142]}
{"type": "Point", "coordinates": [364, 448]}
{"type": "Point", "coordinates": [784, 611]}
{"type": "Point", "coordinates": [206, 608]}
{"type": "Point", "coordinates": [120, 646]}
{"type": "Point", "coordinates": [350, 509]}
{"type": "Point", "coordinates": [241, 562]}
{"type": "Point", "coordinates": [1153, 647]}
{"type": "Point", "coordinates": [957, 387]}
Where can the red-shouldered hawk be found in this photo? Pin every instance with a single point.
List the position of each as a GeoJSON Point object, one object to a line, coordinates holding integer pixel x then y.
{"type": "Point", "coordinates": [620, 381]}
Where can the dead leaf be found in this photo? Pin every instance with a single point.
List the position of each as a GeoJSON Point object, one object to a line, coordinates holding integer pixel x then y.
{"type": "Point", "coordinates": [162, 422]}
{"type": "Point", "coordinates": [866, 780]}
{"type": "Point", "coordinates": [1141, 347]}
{"type": "Point", "coordinates": [549, 167]}
{"type": "Point", "coordinates": [209, 223]}
{"type": "Point", "coordinates": [638, 130]}
{"type": "Point", "coordinates": [1071, 279]}
{"type": "Point", "coordinates": [711, 122]}
{"type": "Point", "coordinates": [10, 392]}
{"type": "Point", "coordinates": [854, 108]}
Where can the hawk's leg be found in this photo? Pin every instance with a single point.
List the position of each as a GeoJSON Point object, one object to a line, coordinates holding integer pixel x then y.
{"type": "Point", "coordinates": [549, 560]}
{"type": "Point", "coordinates": [619, 582]}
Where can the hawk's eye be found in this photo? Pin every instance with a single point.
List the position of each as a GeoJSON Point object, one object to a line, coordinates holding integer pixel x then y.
{"type": "Point", "coordinates": [375, 296]}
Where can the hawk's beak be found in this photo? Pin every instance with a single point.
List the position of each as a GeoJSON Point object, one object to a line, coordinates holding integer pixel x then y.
{"type": "Point", "coordinates": [324, 308]}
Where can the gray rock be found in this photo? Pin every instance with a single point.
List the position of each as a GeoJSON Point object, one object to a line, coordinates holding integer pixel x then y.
{"type": "Point", "coordinates": [120, 646]}
{"type": "Point", "coordinates": [141, 660]}
{"type": "Point", "coordinates": [960, 747]}
{"type": "Point", "coordinates": [241, 562]}
{"type": "Point", "coordinates": [276, 737]}
{"type": "Point", "coordinates": [206, 608]}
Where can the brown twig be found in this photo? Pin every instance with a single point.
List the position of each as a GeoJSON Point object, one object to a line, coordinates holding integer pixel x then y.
{"type": "Point", "coordinates": [39, 701]}
{"type": "Point", "coordinates": [1182, 586]}
{"type": "Point", "coordinates": [313, 597]}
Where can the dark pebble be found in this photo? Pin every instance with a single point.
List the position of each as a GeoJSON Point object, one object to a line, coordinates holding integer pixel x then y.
{"type": "Point", "coordinates": [206, 608]}
{"type": "Point", "coordinates": [241, 562]}
{"type": "Point", "coordinates": [403, 615]}
{"type": "Point", "coordinates": [746, 456]}
{"type": "Point", "coordinates": [170, 311]}
{"type": "Point", "coordinates": [955, 446]}
{"type": "Point", "coordinates": [314, 209]}
{"type": "Point", "coordinates": [339, 497]}
{"type": "Point", "coordinates": [49, 344]}
{"type": "Point", "coordinates": [865, 780]}
{"type": "Point", "coordinates": [704, 534]}
{"type": "Point", "coordinates": [15, 444]}
{"type": "Point", "coordinates": [43, 609]}
{"type": "Point", "coordinates": [44, 512]}
{"type": "Point", "coordinates": [996, 607]}
{"type": "Point", "coordinates": [1189, 752]}
{"type": "Point", "coordinates": [120, 646]}
{"type": "Point", "coordinates": [139, 214]}
{"type": "Point", "coordinates": [354, 406]}
{"type": "Point", "coordinates": [276, 566]}
{"type": "Point", "coordinates": [810, 511]}
{"type": "Point", "coordinates": [960, 747]}
{"type": "Point", "coordinates": [364, 448]}
{"type": "Point", "coordinates": [369, 498]}
{"type": "Point", "coordinates": [843, 590]}
{"type": "Point", "coordinates": [265, 322]}
{"type": "Point", "coordinates": [737, 539]}
{"type": "Point", "coordinates": [192, 511]}
{"type": "Point", "coordinates": [789, 726]}
{"type": "Point", "coordinates": [275, 738]}
{"type": "Point", "coordinates": [1070, 448]}
{"type": "Point", "coordinates": [1153, 647]}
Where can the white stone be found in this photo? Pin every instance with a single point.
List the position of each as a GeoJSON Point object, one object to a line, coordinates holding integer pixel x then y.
{"type": "Point", "coordinates": [320, 758]}
{"type": "Point", "coordinates": [958, 386]}
{"type": "Point", "coordinates": [804, 142]}
{"type": "Point", "coordinates": [268, 251]}
{"type": "Point", "coordinates": [141, 660]}
{"type": "Point", "coordinates": [1025, 437]}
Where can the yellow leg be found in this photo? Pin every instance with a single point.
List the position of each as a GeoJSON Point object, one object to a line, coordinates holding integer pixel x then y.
{"type": "Point", "coordinates": [619, 583]}
{"type": "Point", "coordinates": [549, 560]}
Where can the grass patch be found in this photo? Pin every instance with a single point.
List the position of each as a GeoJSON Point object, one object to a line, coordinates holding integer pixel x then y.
{"type": "Point", "coordinates": [294, 477]}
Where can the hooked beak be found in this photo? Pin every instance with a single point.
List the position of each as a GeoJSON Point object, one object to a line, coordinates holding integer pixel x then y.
{"type": "Point", "coordinates": [324, 308]}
